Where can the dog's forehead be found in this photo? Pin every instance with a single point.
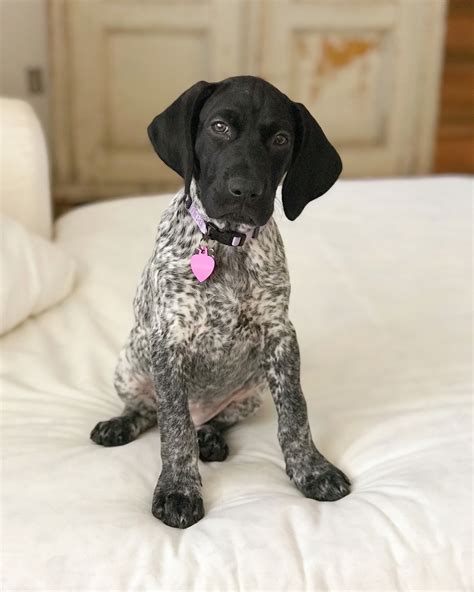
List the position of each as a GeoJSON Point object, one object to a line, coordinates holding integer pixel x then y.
{"type": "Point", "coordinates": [249, 97]}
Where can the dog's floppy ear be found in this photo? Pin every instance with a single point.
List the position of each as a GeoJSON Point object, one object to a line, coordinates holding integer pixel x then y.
{"type": "Point", "coordinates": [172, 133]}
{"type": "Point", "coordinates": [315, 165]}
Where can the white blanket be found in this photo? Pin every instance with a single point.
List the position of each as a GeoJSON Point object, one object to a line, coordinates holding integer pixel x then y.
{"type": "Point", "coordinates": [381, 301]}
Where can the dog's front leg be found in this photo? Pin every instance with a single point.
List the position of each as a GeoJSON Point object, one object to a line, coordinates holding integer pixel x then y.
{"type": "Point", "coordinates": [312, 474]}
{"type": "Point", "coordinates": [177, 498]}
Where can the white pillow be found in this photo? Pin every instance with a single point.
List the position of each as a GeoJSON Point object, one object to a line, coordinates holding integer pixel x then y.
{"type": "Point", "coordinates": [34, 274]}
{"type": "Point", "coordinates": [24, 170]}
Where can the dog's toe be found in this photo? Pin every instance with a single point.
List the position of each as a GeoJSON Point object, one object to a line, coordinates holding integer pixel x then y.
{"type": "Point", "coordinates": [328, 486]}
{"type": "Point", "coordinates": [212, 445]}
{"type": "Point", "coordinates": [177, 509]}
{"type": "Point", "coordinates": [113, 432]}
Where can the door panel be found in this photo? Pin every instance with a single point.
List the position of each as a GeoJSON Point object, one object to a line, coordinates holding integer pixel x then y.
{"type": "Point", "coordinates": [360, 68]}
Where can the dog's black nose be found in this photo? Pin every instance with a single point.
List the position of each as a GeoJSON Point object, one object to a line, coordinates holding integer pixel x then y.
{"type": "Point", "coordinates": [242, 187]}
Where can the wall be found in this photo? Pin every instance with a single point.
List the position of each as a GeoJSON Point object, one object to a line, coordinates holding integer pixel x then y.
{"type": "Point", "coordinates": [23, 45]}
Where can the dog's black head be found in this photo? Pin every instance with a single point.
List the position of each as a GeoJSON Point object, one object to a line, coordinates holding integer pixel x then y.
{"type": "Point", "coordinates": [238, 138]}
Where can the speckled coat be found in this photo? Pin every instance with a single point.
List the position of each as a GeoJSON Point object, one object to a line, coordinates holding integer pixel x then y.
{"type": "Point", "coordinates": [200, 356]}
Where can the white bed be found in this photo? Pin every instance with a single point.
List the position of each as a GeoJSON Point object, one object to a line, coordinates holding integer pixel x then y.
{"type": "Point", "coordinates": [382, 305]}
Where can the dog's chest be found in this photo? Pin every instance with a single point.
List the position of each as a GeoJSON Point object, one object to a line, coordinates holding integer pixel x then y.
{"type": "Point", "coordinates": [217, 326]}
{"type": "Point", "coordinates": [225, 317]}
{"type": "Point", "coordinates": [226, 312]}
{"type": "Point", "coordinates": [223, 336]}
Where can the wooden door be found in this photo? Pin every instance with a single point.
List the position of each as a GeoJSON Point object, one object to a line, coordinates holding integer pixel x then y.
{"type": "Point", "coordinates": [119, 63]}
{"type": "Point", "coordinates": [367, 70]}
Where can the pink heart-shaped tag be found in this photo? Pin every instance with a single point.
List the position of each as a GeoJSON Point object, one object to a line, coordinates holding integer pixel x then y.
{"type": "Point", "coordinates": [202, 264]}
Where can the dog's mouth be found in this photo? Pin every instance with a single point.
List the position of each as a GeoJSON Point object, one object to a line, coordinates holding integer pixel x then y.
{"type": "Point", "coordinates": [244, 218]}
{"type": "Point", "coordinates": [240, 222]}
{"type": "Point", "coordinates": [240, 217]}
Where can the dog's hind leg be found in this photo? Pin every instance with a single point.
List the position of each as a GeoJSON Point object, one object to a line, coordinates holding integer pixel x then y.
{"type": "Point", "coordinates": [135, 387]}
{"type": "Point", "coordinates": [123, 429]}
{"type": "Point", "coordinates": [212, 444]}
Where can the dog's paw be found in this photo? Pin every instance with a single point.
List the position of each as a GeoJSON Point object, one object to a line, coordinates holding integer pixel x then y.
{"type": "Point", "coordinates": [327, 486]}
{"type": "Point", "coordinates": [212, 446]}
{"type": "Point", "coordinates": [114, 432]}
{"type": "Point", "coordinates": [177, 509]}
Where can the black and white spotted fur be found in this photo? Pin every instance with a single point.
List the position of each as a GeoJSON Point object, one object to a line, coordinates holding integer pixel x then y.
{"type": "Point", "coordinates": [195, 344]}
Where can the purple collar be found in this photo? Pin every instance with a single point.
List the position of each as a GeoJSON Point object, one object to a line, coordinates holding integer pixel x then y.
{"type": "Point", "coordinates": [231, 238]}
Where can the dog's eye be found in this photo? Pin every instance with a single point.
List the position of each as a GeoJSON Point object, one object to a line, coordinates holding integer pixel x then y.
{"type": "Point", "coordinates": [280, 140]}
{"type": "Point", "coordinates": [220, 127]}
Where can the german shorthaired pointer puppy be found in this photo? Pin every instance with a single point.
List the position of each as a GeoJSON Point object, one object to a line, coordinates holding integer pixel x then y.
{"type": "Point", "coordinates": [211, 337]}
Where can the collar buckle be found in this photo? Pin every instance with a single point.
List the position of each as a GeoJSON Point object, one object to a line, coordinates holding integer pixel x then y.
{"type": "Point", "coordinates": [226, 237]}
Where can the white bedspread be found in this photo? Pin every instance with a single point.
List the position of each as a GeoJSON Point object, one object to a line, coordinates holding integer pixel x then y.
{"type": "Point", "coordinates": [381, 301]}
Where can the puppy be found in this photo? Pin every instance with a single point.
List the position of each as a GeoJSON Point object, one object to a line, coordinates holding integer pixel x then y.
{"type": "Point", "coordinates": [211, 331]}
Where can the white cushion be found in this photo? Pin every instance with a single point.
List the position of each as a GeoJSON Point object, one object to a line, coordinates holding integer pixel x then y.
{"type": "Point", "coordinates": [24, 169]}
{"type": "Point", "coordinates": [35, 274]}
{"type": "Point", "coordinates": [381, 302]}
